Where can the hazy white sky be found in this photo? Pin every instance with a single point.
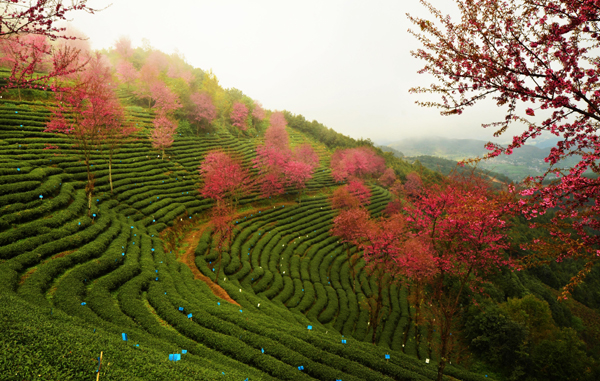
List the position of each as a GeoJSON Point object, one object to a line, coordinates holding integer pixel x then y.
{"type": "Point", "coordinates": [346, 64]}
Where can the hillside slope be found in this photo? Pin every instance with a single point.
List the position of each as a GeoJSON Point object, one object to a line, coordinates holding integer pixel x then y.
{"type": "Point", "coordinates": [72, 285]}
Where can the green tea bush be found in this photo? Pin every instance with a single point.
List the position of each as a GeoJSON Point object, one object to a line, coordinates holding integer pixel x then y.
{"type": "Point", "coordinates": [18, 247]}
{"type": "Point", "coordinates": [319, 304]}
{"type": "Point", "coordinates": [331, 308]}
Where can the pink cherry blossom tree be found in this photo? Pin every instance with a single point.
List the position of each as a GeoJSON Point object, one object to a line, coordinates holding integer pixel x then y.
{"type": "Point", "coordinates": [270, 160]}
{"type": "Point", "coordinates": [350, 225]}
{"type": "Point", "coordinates": [164, 125]}
{"type": "Point", "coordinates": [271, 184]}
{"type": "Point", "coordinates": [158, 60]}
{"type": "Point", "coordinates": [29, 24]}
{"type": "Point", "coordinates": [127, 73]}
{"type": "Point", "coordinates": [123, 47]}
{"type": "Point", "coordinates": [393, 207]}
{"type": "Point", "coordinates": [463, 224]}
{"type": "Point", "coordinates": [299, 167]}
{"type": "Point", "coordinates": [74, 41]}
{"type": "Point", "coordinates": [162, 134]}
{"type": "Point", "coordinates": [225, 180]}
{"type": "Point", "coordinates": [276, 135]}
{"type": "Point", "coordinates": [388, 178]}
{"type": "Point", "coordinates": [305, 153]}
{"type": "Point", "coordinates": [203, 111]}
{"type": "Point", "coordinates": [381, 240]}
{"type": "Point", "coordinates": [359, 190]}
{"type": "Point", "coordinates": [34, 62]}
{"type": "Point", "coordinates": [413, 187]}
{"type": "Point", "coordinates": [297, 173]}
{"type": "Point", "coordinates": [94, 115]}
{"type": "Point", "coordinates": [104, 111]}
{"type": "Point", "coordinates": [270, 163]}
{"type": "Point", "coordinates": [239, 116]}
{"type": "Point", "coordinates": [538, 60]}
{"type": "Point", "coordinates": [391, 248]}
{"type": "Point", "coordinates": [176, 69]}
{"type": "Point", "coordinates": [221, 219]}
{"type": "Point", "coordinates": [77, 41]}
{"type": "Point", "coordinates": [165, 100]}
{"type": "Point", "coordinates": [279, 165]}
{"type": "Point", "coordinates": [359, 162]}
{"type": "Point", "coordinates": [24, 56]}
{"type": "Point", "coordinates": [148, 76]}
{"type": "Point", "coordinates": [342, 199]}
{"type": "Point", "coordinates": [353, 195]}
{"type": "Point", "coordinates": [23, 17]}
{"type": "Point", "coordinates": [277, 120]}
{"type": "Point", "coordinates": [115, 133]}
{"type": "Point", "coordinates": [258, 114]}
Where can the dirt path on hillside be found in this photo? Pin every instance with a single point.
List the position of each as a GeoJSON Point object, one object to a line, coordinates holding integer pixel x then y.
{"type": "Point", "coordinates": [190, 242]}
{"type": "Point", "coordinates": [188, 258]}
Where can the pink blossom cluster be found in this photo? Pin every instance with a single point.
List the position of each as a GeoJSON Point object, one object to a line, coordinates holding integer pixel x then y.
{"type": "Point", "coordinates": [356, 162]}
{"type": "Point", "coordinates": [224, 177]}
{"type": "Point", "coordinates": [278, 164]}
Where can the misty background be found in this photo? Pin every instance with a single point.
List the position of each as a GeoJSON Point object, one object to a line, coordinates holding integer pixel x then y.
{"type": "Point", "coordinates": [346, 64]}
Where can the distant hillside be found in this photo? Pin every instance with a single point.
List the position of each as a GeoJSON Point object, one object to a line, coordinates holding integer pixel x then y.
{"type": "Point", "coordinates": [455, 149]}
{"type": "Point", "coordinates": [441, 165]}
{"type": "Point", "coordinates": [446, 166]}
{"type": "Point", "coordinates": [525, 161]}
{"type": "Point", "coordinates": [394, 151]}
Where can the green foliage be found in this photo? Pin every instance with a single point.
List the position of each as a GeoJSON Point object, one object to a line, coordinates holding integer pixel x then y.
{"type": "Point", "coordinates": [326, 135]}
{"type": "Point", "coordinates": [533, 314]}
{"type": "Point", "coordinates": [492, 336]}
{"type": "Point", "coordinates": [562, 357]}
{"type": "Point", "coordinates": [136, 109]}
{"type": "Point", "coordinates": [520, 339]}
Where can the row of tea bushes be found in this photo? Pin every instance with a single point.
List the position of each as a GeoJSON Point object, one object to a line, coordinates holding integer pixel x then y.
{"type": "Point", "coordinates": [92, 242]}
{"type": "Point", "coordinates": [63, 224]}
{"type": "Point", "coordinates": [200, 317]}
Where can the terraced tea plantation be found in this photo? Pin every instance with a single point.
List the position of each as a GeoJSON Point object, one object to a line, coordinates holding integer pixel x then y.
{"type": "Point", "coordinates": [72, 286]}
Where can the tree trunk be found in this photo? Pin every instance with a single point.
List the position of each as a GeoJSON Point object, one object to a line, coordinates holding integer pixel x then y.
{"type": "Point", "coordinates": [417, 313]}
{"type": "Point", "coordinates": [441, 367]}
{"type": "Point", "coordinates": [444, 330]}
{"type": "Point", "coordinates": [350, 265]}
{"type": "Point", "coordinates": [219, 269]}
{"type": "Point", "coordinates": [378, 307]}
{"type": "Point", "coordinates": [163, 155]}
{"type": "Point", "coordinates": [406, 330]}
{"type": "Point", "coordinates": [89, 204]}
{"type": "Point", "coordinates": [89, 188]}
{"type": "Point", "coordinates": [110, 176]}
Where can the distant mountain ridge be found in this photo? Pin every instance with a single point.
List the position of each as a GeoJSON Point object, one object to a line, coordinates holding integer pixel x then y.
{"type": "Point", "coordinates": [525, 161]}
{"type": "Point", "coordinates": [458, 149]}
